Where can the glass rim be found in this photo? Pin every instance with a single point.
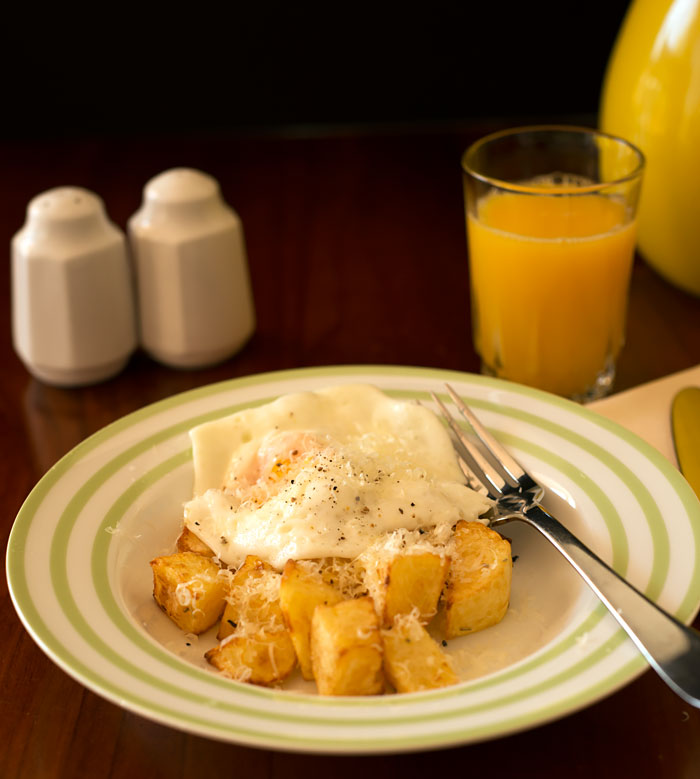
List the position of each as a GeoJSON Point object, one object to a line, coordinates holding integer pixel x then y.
{"type": "Point", "coordinates": [512, 186]}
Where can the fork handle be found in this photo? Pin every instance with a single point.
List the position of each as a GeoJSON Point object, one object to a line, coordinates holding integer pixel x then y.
{"type": "Point", "coordinates": [671, 648]}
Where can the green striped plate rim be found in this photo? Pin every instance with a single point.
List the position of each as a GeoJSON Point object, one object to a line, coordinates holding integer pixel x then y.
{"type": "Point", "coordinates": [212, 706]}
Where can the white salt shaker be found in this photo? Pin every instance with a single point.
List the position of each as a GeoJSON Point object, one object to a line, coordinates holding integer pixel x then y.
{"type": "Point", "coordinates": [194, 295]}
{"type": "Point", "coordinates": [73, 312]}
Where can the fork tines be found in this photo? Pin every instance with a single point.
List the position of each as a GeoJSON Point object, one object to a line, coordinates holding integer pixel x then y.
{"type": "Point", "coordinates": [495, 469]}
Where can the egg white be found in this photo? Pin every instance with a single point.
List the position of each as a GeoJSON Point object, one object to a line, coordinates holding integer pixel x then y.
{"type": "Point", "coordinates": [323, 474]}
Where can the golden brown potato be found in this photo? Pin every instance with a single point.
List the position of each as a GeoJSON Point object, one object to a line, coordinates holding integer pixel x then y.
{"type": "Point", "coordinates": [262, 657]}
{"type": "Point", "coordinates": [228, 624]}
{"type": "Point", "coordinates": [301, 590]}
{"type": "Point", "coordinates": [478, 584]}
{"type": "Point", "coordinates": [343, 574]}
{"type": "Point", "coordinates": [414, 582]}
{"type": "Point", "coordinates": [253, 599]}
{"type": "Point", "coordinates": [346, 648]}
{"type": "Point", "coordinates": [187, 541]}
{"type": "Point", "coordinates": [189, 589]}
{"type": "Point", "coordinates": [413, 660]}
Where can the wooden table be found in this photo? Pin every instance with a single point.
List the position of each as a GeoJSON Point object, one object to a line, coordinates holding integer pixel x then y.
{"type": "Point", "coordinates": [357, 255]}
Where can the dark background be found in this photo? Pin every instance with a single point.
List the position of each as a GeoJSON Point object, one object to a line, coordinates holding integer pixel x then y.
{"type": "Point", "coordinates": [235, 67]}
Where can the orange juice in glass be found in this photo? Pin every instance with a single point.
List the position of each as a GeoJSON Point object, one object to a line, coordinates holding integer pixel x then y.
{"type": "Point", "coordinates": [551, 234]}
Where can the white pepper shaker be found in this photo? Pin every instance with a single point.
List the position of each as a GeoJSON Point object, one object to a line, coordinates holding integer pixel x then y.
{"type": "Point", "coordinates": [73, 312]}
{"type": "Point", "coordinates": [194, 295]}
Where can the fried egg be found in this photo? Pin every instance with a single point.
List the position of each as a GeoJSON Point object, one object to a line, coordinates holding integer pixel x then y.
{"type": "Point", "coordinates": [323, 474]}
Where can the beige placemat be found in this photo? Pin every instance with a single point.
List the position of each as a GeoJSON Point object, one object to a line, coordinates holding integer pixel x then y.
{"type": "Point", "coordinates": [646, 410]}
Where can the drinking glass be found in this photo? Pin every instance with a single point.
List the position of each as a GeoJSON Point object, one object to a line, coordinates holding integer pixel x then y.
{"type": "Point", "coordinates": [550, 214]}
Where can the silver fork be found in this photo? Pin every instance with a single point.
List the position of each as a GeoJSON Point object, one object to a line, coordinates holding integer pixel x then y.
{"type": "Point", "coordinates": [671, 648]}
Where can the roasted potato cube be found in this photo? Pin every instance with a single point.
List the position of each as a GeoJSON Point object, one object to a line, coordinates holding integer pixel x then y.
{"type": "Point", "coordinates": [253, 598]}
{"type": "Point", "coordinates": [228, 624]}
{"type": "Point", "coordinates": [346, 648]}
{"type": "Point", "coordinates": [413, 660]}
{"type": "Point", "coordinates": [414, 582]}
{"type": "Point", "coordinates": [343, 574]}
{"type": "Point", "coordinates": [263, 657]}
{"type": "Point", "coordinates": [187, 541]}
{"type": "Point", "coordinates": [301, 590]}
{"type": "Point", "coordinates": [189, 589]}
{"type": "Point", "coordinates": [478, 584]}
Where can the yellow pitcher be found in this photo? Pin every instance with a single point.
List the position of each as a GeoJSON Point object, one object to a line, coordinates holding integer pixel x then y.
{"type": "Point", "coordinates": [651, 96]}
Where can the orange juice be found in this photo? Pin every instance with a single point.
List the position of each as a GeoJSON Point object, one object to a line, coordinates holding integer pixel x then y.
{"type": "Point", "coordinates": [549, 279]}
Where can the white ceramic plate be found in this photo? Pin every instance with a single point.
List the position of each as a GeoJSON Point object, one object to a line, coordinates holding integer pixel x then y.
{"type": "Point", "coordinates": [79, 577]}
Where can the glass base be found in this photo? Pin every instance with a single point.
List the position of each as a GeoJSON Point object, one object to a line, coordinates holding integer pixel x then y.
{"type": "Point", "coordinates": [601, 387]}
